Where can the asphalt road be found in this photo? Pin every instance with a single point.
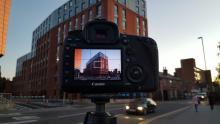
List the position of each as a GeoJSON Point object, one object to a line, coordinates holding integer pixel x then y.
{"type": "Point", "coordinates": [76, 114]}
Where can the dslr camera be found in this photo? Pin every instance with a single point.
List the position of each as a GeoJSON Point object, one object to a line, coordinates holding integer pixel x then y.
{"type": "Point", "coordinates": [100, 60]}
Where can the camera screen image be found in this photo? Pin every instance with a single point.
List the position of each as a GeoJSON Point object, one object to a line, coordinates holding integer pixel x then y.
{"type": "Point", "coordinates": [97, 64]}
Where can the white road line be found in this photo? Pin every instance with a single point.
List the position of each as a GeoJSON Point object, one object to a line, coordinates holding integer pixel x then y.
{"type": "Point", "coordinates": [79, 114]}
{"type": "Point", "coordinates": [20, 122]}
{"type": "Point", "coordinates": [10, 114]}
{"type": "Point", "coordinates": [25, 118]}
{"type": "Point", "coordinates": [167, 114]}
{"type": "Point", "coordinates": [66, 116]}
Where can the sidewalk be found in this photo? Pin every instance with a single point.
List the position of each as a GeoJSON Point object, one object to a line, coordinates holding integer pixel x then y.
{"type": "Point", "coordinates": [189, 116]}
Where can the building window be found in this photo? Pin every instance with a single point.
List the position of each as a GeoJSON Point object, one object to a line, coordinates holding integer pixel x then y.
{"type": "Point", "coordinates": [59, 11]}
{"type": "Point", "coordinates": [137, 2]}
{"type": "Point", "coordinates": [137, 9]}
{"type": "Point", "coordinates": [123, 19]}
{"type": "Point", "coordinates": [76, 24]}
{"type": "Point", "coordinates": [142, 4]}
{"type": "Point", "coordinates": [83, 21]}
{"type": "Point", "coordinates": [64, 16]}
{"type": "Point", "coordinates": [144, 13]}
{"type": "Point", "coordinates": [99, 11]}
{"type": "Point", "coordinates": [91, 2]}
{"type": "Point", "coordinates": [138, 25]}
{"type": "Point", "coordinates": [59, 36]}
{"type": "Point", "coordinates": [116, 14]}
{"type": "Point", "coordinates": [59, 20]}
{"type": "Point", "coordinates": [70, 13]}
{"type": "Point", "coordinates": [64, 31]}
{"type": "Point", "coordinates": [71, 3]}
{"type": "Point", "coordinates": [144, 28]}
{"type": "Point", "coordinates": [76, 10]}
{"type": "Point", "coordinates": [65, 7]}
{"type": "Point", "coordinates": [90, 15]}
{"type": "Point", "coordinates": [83, 6]}
{"type": "Point", "coordinates": [70, 26]}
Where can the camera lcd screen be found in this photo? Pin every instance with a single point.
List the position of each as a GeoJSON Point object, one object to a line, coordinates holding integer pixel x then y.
{"type": "Point", "coordinates": [97, 64]}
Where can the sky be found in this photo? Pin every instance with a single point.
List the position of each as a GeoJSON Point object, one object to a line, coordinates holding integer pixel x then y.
{"type": "Point", "coordinates": [114, 58]}
{"type": "Point", "coordinates": [174, 24]}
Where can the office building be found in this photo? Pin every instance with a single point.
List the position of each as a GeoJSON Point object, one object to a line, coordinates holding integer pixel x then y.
{"type": "Point", "coordinates": [129, 15]}
{"type": "Point", "coordinates": [193, 77]}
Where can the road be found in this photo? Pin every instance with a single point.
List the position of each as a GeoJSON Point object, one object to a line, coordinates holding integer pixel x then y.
{"type": "Point", "coordinates": [75, 114]}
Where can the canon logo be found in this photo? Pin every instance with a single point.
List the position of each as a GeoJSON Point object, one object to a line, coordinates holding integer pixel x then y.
{"type": "Point", "coordinates": [98, 84]}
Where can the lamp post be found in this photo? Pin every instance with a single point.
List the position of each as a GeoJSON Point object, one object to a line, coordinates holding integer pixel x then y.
{"type": "Point", "coordinates": [203, 51]}
{"type": "Point", "coordinates": [205, 61]}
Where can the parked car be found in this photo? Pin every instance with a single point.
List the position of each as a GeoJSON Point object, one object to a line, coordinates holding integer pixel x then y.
{"type": "Point", "coordinates": [141, 106]}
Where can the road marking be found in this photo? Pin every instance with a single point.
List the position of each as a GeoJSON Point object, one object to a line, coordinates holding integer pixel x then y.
{"type": "Point", "coordinates": [79, 114]}
{"type": "Point", "coordinates": [25, 118]}
{"type": "Point", "coordinates": [20, 122]}
{"type": "Point", "coordinates": [66, 116]}
{"type": "Point", "coordinates": [167, 114]}
{"type": "Point", "coordinates": [10, 114]}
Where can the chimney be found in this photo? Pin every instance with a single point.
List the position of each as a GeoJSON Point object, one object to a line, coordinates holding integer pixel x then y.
{"type": "Point", "coordinates": [165, 71]}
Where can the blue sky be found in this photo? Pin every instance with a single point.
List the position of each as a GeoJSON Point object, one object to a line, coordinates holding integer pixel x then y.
{"type": "Point", "coordinates": [174, 24]}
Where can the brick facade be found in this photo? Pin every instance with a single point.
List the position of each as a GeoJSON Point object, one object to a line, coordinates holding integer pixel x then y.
{"type": "Point", "coordinates": [5, 6]}
{"type": "Point", "coordinates": [42, 73]}
{"type": "Point", "coordinates": [193, 76]}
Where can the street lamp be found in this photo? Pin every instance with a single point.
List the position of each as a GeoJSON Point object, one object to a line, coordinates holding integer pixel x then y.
{"type": "Point", "coordinates": [205, 61]}
{"type": "Point", "coordinates": [203, 51]}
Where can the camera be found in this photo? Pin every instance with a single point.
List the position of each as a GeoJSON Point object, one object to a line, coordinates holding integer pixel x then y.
{"type": "Point", "coordinates": [99, 59]}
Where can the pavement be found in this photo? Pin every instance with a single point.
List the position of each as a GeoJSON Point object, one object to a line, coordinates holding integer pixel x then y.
{"type": "Point", "coordinates": [190, 116]}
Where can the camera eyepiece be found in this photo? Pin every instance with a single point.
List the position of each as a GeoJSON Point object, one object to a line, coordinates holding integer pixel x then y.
{"type": "Point", "coordinates": [101, 31]}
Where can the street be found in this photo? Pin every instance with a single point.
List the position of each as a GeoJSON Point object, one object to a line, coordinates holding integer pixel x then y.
{"type": "Point", "coordinates": [75, 114]}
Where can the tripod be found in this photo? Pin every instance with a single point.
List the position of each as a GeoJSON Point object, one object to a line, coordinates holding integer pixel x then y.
{"type": "Point", "coordinates": [100, 116]}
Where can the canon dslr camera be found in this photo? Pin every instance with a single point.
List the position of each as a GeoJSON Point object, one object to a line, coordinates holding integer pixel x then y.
{"type": "Point", "coordinates": [100, 60]}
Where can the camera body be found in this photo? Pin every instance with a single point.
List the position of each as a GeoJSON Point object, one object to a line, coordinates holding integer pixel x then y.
{"type": "Point", "coordinates": [98, 60]}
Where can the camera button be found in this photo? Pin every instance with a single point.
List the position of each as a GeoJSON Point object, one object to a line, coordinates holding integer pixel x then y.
{"type": "Point", "coordinates": [136, 72]}
{"type": "Point", "coordinates": [128, 60]}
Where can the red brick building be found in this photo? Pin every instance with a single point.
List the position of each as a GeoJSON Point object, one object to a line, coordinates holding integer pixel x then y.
{"type": "Point", "coordinates": [194, 77]}
{"type": "Point", "coordinates": [40, 71]}
{"type": "Point", "coordinates": [97, 65]}
{"type": "Point", "coordinates": [169, 87]}
{"type": "Point", "coordinates": [5, 6]}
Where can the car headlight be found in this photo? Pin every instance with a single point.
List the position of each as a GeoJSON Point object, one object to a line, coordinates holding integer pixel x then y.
{"type": "Point", "coordinates": [140, 108]}
{"type": "Point", "coordinates": [127, 107]}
